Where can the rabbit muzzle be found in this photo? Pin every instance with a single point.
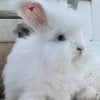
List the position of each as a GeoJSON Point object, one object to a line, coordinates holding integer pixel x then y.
{"type": "Point", "coordinates": [80, 50]}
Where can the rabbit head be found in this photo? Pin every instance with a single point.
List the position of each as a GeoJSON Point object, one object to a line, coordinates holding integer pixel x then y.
{"type": "Point", "coordinates": [57, 33]}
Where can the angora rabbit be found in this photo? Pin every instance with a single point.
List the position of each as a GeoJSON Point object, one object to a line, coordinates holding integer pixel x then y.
{"type": "Point", "coordinates": [51, 63]}
{"type": "Point", "coordinates": [22, 30]}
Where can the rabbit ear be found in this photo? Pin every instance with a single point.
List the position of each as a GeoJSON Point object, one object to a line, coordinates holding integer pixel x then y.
{"type": "Point", "coordinates": [73, 3]}
{"type": "Point", "coordinates": [33, 14]}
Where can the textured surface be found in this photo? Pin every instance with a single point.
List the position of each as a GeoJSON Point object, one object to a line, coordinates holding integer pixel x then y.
{"type": "Point", "coordinates": [5, 48]}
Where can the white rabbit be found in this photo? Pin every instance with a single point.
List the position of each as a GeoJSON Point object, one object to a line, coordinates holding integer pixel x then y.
{"type": "Point", "coordinates": [90, 86]}
{"type": "Point", "coordinates": [51, 63]}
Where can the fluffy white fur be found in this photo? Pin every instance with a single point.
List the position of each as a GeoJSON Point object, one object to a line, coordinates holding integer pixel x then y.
{"type": "Point", "coordinates": [41, 67]}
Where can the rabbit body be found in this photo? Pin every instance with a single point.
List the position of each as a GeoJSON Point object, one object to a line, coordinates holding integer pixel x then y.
{"type": "Point", "coordinates": [51, 63]}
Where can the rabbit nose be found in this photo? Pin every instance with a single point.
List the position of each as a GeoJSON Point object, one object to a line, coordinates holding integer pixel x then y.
{"type": "Point", "coordinates": [80, 49]}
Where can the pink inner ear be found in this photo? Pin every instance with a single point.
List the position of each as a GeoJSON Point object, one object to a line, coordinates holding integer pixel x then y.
{"type": "Point", "coordinates": [34, 14]}
{"type": "Point", "coordinates": [31, 8]}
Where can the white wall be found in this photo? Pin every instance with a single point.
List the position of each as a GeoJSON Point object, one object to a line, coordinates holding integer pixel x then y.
{"type": "Point", "coordinates": [96, 18]}
{"type": "Point", "coordinates": [96, 24]}
{"type": "Point", "coordinates": [84, 9]}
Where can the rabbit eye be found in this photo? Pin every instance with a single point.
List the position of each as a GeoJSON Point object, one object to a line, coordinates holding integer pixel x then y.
{"type": "Point", "coordinates": [61, 37]}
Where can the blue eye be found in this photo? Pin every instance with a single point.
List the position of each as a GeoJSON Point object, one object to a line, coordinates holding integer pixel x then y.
{"type": "Point", "coordinates": [61, 37]}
